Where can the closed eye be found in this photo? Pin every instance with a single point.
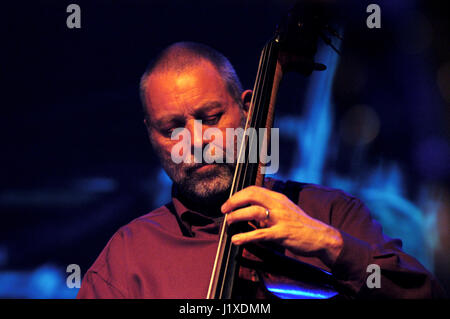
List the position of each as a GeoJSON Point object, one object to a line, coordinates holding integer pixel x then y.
{"type": "Point", "coordinates": [213, 119]}
{"type": "Point", "coordinates": [168, 129]}
{"type": "Point", "coordinates": [167, 132]}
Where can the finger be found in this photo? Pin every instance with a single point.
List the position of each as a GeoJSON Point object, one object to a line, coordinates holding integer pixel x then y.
{"type": "Point", "coordinates": [253, 212]}
{"type": "Point", "coordinates": [258, 235]}
{"type": "Point", "coordinates": [252, 195]}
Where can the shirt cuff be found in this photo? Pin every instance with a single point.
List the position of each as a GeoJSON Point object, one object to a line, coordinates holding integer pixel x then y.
{"type": "Point", "coordinates": [350, 268]}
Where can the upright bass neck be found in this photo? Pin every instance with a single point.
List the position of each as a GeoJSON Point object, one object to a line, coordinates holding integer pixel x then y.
{"type": "Point", "coordinates": [261, 113]}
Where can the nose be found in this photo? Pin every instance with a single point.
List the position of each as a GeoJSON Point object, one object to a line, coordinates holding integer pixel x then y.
{"type": "Point", "coordinates": [196, 130]}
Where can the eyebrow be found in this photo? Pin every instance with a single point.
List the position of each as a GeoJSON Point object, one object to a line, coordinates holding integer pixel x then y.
{"type": "Point", "coordinates": [199, 111]}
{"type": "Point", "coordinates": [167, 119]}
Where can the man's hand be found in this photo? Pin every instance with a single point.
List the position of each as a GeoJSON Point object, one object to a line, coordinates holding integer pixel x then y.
{"type": "Point", "coordinates": [285, 223]}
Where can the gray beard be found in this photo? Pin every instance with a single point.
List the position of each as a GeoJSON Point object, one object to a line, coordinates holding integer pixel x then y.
{"type": "Point", "coordinates": [203, 186]}
{"type": "Point", "coordinates": [200, 186]}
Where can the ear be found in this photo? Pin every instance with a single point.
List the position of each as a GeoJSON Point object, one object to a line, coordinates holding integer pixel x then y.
{"type": "Point", "coordinates": [246, 98]}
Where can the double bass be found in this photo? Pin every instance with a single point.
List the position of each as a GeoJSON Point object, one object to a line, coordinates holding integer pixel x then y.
{"type": "Point", "coordinates": [292, 48]}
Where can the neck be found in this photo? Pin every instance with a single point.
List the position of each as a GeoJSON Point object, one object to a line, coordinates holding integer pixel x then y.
{"type": "Point", "coordinates": [207, 206]}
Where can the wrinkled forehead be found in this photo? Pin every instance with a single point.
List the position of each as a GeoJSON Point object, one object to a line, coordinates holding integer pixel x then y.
{"type": "Point", "coordinates": [177, 92]}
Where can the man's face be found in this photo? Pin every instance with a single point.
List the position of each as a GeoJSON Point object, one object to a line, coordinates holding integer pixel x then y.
{"type": "Point", "coordinates": [176, 100]}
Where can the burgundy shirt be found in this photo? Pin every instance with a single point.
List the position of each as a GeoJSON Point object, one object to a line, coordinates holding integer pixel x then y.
{"type": "Point", "coordinates": [169, 252]}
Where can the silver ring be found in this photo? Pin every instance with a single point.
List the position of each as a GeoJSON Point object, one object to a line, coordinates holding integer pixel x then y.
{"type": "Point", "coordinates": [267, 214]}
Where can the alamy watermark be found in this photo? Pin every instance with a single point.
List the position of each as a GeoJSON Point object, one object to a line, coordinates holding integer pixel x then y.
{"type": "Point", "coordinates": [73, 21]}
{"type": "Point", "coordinates": [216, 152]}
{"type": "Point", "coordinates": [74, 278]}
{"type": "Point", "coordinates": [374, 279]}
{"type": "Point", "coordinates": [374, 19]}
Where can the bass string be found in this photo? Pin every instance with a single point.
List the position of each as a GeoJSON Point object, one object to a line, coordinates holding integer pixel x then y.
{"type": "Point", "coordinates": [242, 170]}
{"type": "Point", "coordinates": [242, 164]}
{"type": "Point", "coordinates": [260, 108]}
{"type": "Point", "coordinates": [255, 121]}
{"type": "Point", "coordinates": [223, 239]}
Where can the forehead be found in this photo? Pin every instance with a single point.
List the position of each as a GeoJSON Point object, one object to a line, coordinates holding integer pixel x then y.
{"type": "Point", "coordinates": [176, 93]}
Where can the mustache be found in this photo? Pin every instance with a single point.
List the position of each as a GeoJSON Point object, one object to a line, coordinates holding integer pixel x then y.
{"type": "Point", "coordinates": [191, 168]}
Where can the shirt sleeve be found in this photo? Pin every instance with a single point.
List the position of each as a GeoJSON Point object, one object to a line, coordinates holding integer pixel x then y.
{"type": "Point", "coordinates": [95, 287]}
{"type": "Point", "coordinates": [364, 244]}
{"type": "Point", "coordinates": [105, 278]}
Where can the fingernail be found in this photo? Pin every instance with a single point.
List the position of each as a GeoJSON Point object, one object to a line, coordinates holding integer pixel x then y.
{"type": "Point", "coordinates": [223, 208]}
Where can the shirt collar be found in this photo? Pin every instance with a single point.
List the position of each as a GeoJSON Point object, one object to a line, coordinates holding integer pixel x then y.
{"type": "Point", "coordinates": [194, 221]}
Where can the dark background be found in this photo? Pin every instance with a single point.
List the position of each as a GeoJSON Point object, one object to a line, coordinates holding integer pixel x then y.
{"type": "Point", "coordinates": [75, 159]}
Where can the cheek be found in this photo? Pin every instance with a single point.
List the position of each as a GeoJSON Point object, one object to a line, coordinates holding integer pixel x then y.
{"type": "Point", "coordinates": [235, 118]}
{"type": "Point", "coordinates": [161, 146]}
{"type": "Point", "coordinates": [166, 148]}
{"type": "Point", "coordinates": [241, 118]}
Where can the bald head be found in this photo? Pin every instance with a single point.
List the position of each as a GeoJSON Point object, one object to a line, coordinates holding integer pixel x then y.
{"type": "Point", "coordinates": [182, 57]}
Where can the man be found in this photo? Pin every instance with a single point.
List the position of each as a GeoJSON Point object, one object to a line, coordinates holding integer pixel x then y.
{"type": "Point", "coordinates": [169, 252]}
